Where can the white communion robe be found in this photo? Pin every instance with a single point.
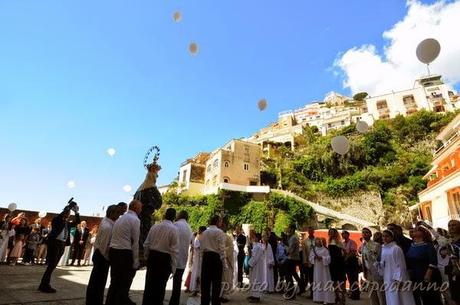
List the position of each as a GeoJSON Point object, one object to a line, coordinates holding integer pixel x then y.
{"type": "Point", "coordinates": [257, 271]}
{"type": "Point", "coordinates": [323, 289]}
{"type": "Point", "coordinates": [235, 263]}
{"type": "Point", "coordinates": [196, 266]}
{"type": "Point", "coordinates": [227, 274]}
{"type": "Point", "coordinates": [393, 269]}
{"type": "Point", "coordinates": [269, 264]}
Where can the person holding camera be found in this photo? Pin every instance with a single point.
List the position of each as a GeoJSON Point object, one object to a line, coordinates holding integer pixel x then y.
{"type": "Point", "coordinates": [58, 238]}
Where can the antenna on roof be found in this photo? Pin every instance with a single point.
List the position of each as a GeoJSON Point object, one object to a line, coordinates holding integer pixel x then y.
{"type": "Point", "coordinates": [427, 51]}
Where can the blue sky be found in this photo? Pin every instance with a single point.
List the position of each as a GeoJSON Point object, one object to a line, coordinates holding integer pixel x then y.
{"type": "Point", "coordinates": [78, 77]}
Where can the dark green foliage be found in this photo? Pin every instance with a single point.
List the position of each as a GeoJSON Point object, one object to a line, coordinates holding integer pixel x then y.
{"type": "Point", "coordinates": [392, 157]}
{"type": "Point", "coordinates": [239, 209]}
{"type": "Point", "coordinates": [360, 96]}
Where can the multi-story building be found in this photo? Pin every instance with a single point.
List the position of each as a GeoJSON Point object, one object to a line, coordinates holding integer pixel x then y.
{"type": "Point", "coordinates": [234, 167]}
{"type": "Point", "coordinates": [282, 132]}
{"type": "Point", "coordinates": [440, 201]}
{"type": "Point", "coordinates": [192, 174]}
{"type": "Point", "coordinates": [429, 93]}
{"type": "Point", "coordinates": [326, 117]}
{"type": "Point", "coordinates": [335, 99]}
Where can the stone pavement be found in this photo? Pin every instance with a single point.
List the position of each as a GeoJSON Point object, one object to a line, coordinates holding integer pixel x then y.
{"type": "Point", "coordinates": [18, 285]}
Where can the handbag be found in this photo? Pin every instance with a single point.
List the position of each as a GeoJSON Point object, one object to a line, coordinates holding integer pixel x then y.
{"type": "Point", "coordinates": [188, 280]}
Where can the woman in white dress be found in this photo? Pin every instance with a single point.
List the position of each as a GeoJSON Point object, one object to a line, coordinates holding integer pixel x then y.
{"type": "Point", "coordinates": [5, 234]}
{"type": "Point", "coordinates": [393, 269]}
{"type": "Point", "coordinates": [196, 264]}
{"type": "Point", "coordinates": [269, 264]}
{"type": "Point", "coordinates": [257, 269]}
{"type": "Point", "coordinates": [323, 288]}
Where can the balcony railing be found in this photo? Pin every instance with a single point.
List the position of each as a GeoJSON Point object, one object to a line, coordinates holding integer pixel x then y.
{"type": "Point", "coordinates": [447, 143]}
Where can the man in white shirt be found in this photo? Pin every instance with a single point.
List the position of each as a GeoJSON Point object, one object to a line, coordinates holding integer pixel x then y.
{"type": "Point", "coordinates": [185, 238]}
{"type": "Point", "coordinates": [214, 262]}
{"type": "Point", "coordinates": [124, 255]}
{"type": "Point", "coordinates": [161, 247]}
{"type": "Point", "coordinates": [101, 264]}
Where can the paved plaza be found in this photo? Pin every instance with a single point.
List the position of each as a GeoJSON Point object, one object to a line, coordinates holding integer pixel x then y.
{"type": "Point", "coordinates": [18, 285]}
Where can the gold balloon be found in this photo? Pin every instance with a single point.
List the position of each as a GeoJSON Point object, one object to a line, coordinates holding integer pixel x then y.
{"type": "Point", "coordinates": [262, 104]}
{"type": "Point", "coordinates": [193, 48]}
{"type": "Point", "coordinates": [177, 16]}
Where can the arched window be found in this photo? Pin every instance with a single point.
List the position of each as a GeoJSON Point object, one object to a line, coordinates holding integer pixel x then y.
{"type": "Point", "coordinates": [226, 164]}
{"type": "Point", "coordinates": [226, 180]}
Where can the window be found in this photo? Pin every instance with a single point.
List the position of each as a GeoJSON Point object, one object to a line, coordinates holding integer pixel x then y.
{"type": "Point", "coordinates": [454, 201]}
{"type": "Point", "coordinates": [226, 180]}
{"type": "Point", "coordinates": [216, 163]}
{"type": "Point", "coordinates": [246, 166]}
{"type": "Point", "coordinates": [342, 122]}
{"type": "Point", "coordinates": [382, 105]}
{"type": "Point", "coordinates": [226, 164]}
{"type": "Point", "coordinates": [209, 168]}
{"type": "Point", "coordinates": [184, 176]}
{"type": "Point", "coordinates": [426, 211]}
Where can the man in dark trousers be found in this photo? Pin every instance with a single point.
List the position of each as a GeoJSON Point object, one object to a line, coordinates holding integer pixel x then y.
{"type": "Point", "coordinates": [161, 247]}
{"type": "Point", "coordinates": [351, 264]}
{"type": "Point", "coordinates": [185, 238]}
{"type": "Point", "coordinates": [79, 243]}
{"type": "Point", "coordinates": [124, 255]}
{"type": "Point", "coordinates": [58, 238]}
{"type": "Point", "coordinates": [98, 278]}
{"type": "Point", "coordinates": [214, 262]}
{"type": "Point", "coordinates": [241, 243]}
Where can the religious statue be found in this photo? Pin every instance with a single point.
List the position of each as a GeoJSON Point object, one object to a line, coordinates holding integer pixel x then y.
{"type": "Point", "coordinates": [149, 195]}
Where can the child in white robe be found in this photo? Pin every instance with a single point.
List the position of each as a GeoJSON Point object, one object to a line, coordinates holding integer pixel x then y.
{"type": "Point", "coordinates": [269, 264]}
{"type": "Point", "coordinates": [257, 269]}
{"type": "Point", "coordinates": [392, 267]}
{"type": "Point", "coordinates": [323, 288]}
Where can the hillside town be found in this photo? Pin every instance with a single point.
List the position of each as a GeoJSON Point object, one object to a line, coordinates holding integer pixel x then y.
{"type": "Point", "coordinates": [236, 166]}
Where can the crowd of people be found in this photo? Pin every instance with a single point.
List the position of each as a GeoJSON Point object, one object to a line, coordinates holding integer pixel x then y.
{"type": "Point", "coordinates": [24, 243]}
{"type": "Point", "coordinates": [395, 270]}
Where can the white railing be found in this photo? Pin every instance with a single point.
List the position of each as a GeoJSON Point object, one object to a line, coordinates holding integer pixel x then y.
{"type": "Point", "coordinates": [447, 143]}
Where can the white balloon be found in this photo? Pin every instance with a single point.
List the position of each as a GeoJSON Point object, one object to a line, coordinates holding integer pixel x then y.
{"type": "Point", "coordinates": [127, 188]}
{"type": "Point", "coordinates": [42, 214]}
{"type": "Point", "coordinates": [71, 184]}
{"type": "Point", "coordinates": [428, 50]}
{"type": "Point", "coordinates": [362, 127]}
{"type": "Point", "coordinates": [12, 207]}
{"type": "Point", "coordinates": [193, 48]}
{"type": "Point", "coordinates": [177, 16]}
{"type": "Point", "coordinates": [111, 152]}
{"type": "Point", "coordinates": [262, 104]}
{"type": "Point", "coordinates": [340, 145]}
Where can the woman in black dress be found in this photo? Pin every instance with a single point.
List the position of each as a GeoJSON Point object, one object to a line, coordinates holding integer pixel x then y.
{"type": "Point", "coordinates": [337, 265]}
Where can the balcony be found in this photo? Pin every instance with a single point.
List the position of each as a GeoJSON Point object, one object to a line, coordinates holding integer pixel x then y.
{"type": "Point", "coordinates": [446, 144]}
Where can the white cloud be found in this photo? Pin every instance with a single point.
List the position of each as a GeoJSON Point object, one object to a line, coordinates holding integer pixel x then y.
{"type": "Point", "coordinates": [365, 69]}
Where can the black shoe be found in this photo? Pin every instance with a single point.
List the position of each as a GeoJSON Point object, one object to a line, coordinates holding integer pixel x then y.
{"type": "Point", "coordinates": [47, 289]}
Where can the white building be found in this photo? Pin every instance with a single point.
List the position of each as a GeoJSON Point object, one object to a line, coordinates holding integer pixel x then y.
{"type": "Point", "coordinates": [429, 93]}
{"type": "Point", "coordinates": [440, 201]}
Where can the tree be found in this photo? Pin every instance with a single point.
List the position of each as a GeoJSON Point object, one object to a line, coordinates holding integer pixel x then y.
{"type": "Point", "coordinates": [360, 96]}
